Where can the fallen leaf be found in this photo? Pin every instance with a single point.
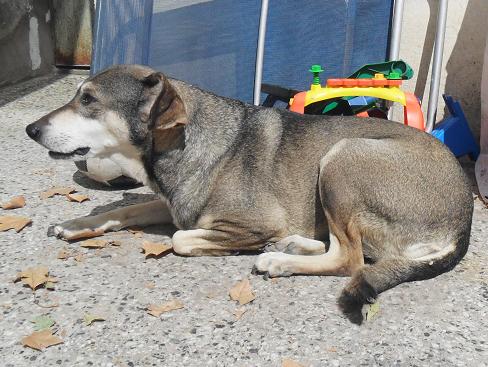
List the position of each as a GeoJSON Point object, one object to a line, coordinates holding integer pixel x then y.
{"type": "Point", "coordinates": [14, 203]}
{"type": "Point", "coordinates": [239, 312]}
{"type": "Point", "coordinates": [64, 254]}
{"type": "Point", "coordinates": [89, 318]}
{"type": "Point", "coordinates": [79, 198]}
{"type": "Point", "coordinates": [157, 310]}
{"type": "Point", "coordinates": [242, 292]}
{"type": "Point", "coordinates": [372, 311]}
{"type": "Point", "coordinates": [13, 222]}
{"type": "Point", "coordinates": [54, 301]}
{"type": "Point", "coordinates": [95, 243]}
{"type": "Point", "coordinates": [41, 339]}
{"type": "Point", "coordinates": [43, 322]}
{"type": "Point", "coordinates": [155, 249]}
{"type": "Point", "coordinates": [136, 231]}
{"type": "Point", "coordinates": [88, 233]}
{"type": "Point", "coordinates": [287, 362]}
{"type": "Point", "coordinates": [34, 277]}
{"type": "Point", "coordinates": [79, 258]}
{"type": "Point", "coordinates": [58, 190]}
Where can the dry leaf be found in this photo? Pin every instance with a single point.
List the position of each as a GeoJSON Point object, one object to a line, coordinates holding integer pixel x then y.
{"type": "Point", "coordinates": [99, 243]}
{"type": "Point", "coordinates": [41, 339]}
{"type": "Point", "coordinates": [64, 254]}
{"type": "Point", "coordinates": [43, 322]}
{"type": "Point", "coordinates": [155, 249]}
{"type": "Point", "coordinates": [13, 222]}
{"type": "Point", "coordinates": [157, 310]}
{"type": "Point", "coordinates": [88, 233]}
{"type": "Point", "coordinates": [136, 231]}
{"type": "Point", "coordinates": [79, 198]}
{"type": "Point", "coordinates": [242, 292]}
{"type": "Point", "coordinates": [34, 277]}
{"type": "Point", "coordinates": [89, 319]}
{"type": "Point", "coordinates": [56, 191]}
{"type": "Point", "coordinates": [14, 203]}
{"type": "Point", "coordinates": [287, 362]}
{"type": "Point", "coordinates": [95, 243]}
{"type": "Point", "coordinates": [54, 301]}
{"type": "Point", "coordinates": [372, 311]}
{"type": "Point", "coordinates": [79, 258]}
{"type": "Point", "coordinates": [239, 312]}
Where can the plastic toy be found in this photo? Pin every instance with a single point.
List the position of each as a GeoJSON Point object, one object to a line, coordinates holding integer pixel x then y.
{"type": "Point", "coordinates": [379, 87]}
{"type": "Point", "coordinates": [454, 131]}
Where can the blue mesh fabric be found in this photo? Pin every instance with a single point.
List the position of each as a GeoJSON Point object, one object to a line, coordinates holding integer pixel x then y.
{"type": "Point", "coordinates": [213, 43]}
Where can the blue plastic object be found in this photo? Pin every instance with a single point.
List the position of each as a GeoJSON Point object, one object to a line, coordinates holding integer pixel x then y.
{"type": "Point", "coordinates": [454, 131]}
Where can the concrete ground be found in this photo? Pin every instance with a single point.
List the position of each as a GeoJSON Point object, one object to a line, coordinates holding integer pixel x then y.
{"type": "Point", "coordinates": [440, 322]}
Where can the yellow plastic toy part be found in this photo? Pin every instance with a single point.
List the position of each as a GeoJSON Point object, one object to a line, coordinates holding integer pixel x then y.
{"type": "Point", "coordinates": [391, 94]}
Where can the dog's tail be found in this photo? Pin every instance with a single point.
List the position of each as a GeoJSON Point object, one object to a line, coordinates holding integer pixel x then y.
{"type": "Point", "coordinates": [371, 280]}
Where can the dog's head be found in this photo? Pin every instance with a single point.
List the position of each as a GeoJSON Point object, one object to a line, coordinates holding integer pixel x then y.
{"type": "Point", "coordinates": [115, 111]}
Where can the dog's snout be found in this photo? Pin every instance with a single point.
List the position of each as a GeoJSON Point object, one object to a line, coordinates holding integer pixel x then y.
{"type": "Point", "coordinates": [33, 130]}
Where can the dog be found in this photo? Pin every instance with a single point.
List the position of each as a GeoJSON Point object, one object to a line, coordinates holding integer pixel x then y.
{"type": "Point", "coordinates": [321, 195]}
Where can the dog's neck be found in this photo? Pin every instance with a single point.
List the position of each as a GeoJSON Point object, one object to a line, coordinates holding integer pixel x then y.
{"type": "Point", "coordinates": [184, 175]}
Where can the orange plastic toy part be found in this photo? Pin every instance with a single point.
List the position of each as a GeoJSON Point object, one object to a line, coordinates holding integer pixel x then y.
{"type": "Point", "coordinates": [362, 114]}
{"type": "Point", "coordinates": [363, 83]}
{"type": "Point", "coordinates": [412, 113]}
{"type": "Point", "coordinates": [298, 104]}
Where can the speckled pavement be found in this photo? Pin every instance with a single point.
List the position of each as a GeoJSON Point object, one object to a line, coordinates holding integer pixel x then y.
{"type": "Point", "coordinates": [440, 322]}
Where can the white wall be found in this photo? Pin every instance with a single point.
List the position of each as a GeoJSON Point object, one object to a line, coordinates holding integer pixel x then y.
{"type": "Point", "coordinates": [467, 27]}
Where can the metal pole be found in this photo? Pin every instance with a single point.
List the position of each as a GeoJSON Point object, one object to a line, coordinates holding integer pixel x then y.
{"type": "Point", "coordinates": [396, 32]}
{"type": "Point", "coordinates": [396, 29]}
{"type": "Point", "coordinates": [258, 75]}
{"type": "Point", "coordinates": [436, 65]}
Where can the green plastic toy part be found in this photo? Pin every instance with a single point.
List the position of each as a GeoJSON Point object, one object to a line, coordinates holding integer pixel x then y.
{"type": "Point", "coordinates": [397, 69]}
{"type": "Point", "coordinates": [316, 70]}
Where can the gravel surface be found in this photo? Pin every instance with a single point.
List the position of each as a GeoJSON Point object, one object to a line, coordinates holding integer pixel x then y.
{"type": "Point", "coordinates": [440, 322]}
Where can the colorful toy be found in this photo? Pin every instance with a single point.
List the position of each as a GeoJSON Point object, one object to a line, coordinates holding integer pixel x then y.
{"type": "Point", "coordinates": [337, 92]}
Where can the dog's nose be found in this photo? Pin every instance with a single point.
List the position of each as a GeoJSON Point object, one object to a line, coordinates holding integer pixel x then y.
{"type": "Point", "coordinates": [33, 131]}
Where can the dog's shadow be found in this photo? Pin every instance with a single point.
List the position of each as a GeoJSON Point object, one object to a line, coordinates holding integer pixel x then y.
{"type": "Point", "coordinates": [88, 183]}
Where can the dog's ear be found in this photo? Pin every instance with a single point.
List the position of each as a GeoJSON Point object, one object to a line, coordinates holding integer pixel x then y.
{"type": "Point", "coordinates": [160, 106]}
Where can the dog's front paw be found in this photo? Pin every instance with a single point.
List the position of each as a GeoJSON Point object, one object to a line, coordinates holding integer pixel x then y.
{"type": "Point", "coordinates": [77, 228]}
{"type": "Point", "coordinates": [272, 264]}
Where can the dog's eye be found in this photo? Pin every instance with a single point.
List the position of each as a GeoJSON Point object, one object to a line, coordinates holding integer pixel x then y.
{"type": "Point", "coordinates": [86, 99]}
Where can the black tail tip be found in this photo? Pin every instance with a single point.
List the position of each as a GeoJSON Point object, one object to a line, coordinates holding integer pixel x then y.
{"type": "Point", "coordinates": [354, 297]}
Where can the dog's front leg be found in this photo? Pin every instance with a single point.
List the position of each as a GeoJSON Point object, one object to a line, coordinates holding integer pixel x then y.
{"type": "Point", "coordinates": [144, 214]}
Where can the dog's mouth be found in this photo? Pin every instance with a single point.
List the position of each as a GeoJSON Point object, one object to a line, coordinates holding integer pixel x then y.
{"type": "Point", "coordinates": [80, 152]}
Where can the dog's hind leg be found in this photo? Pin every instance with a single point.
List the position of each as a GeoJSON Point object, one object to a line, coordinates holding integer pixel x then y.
{"type": "Point", "coordinates": [297, 245]}
{"type": "Point", "coordinates": [371, 280]}
{"type": "Point", "coordinates": [144, 214]}
{"type": "Point", "coordinates": [343, 257]}
{"type": "Point", "coordinates": [208, 242]}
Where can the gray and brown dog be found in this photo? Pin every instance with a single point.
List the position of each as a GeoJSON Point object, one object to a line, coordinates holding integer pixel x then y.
{"type": "Point", "coordinates": [377, 201]}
